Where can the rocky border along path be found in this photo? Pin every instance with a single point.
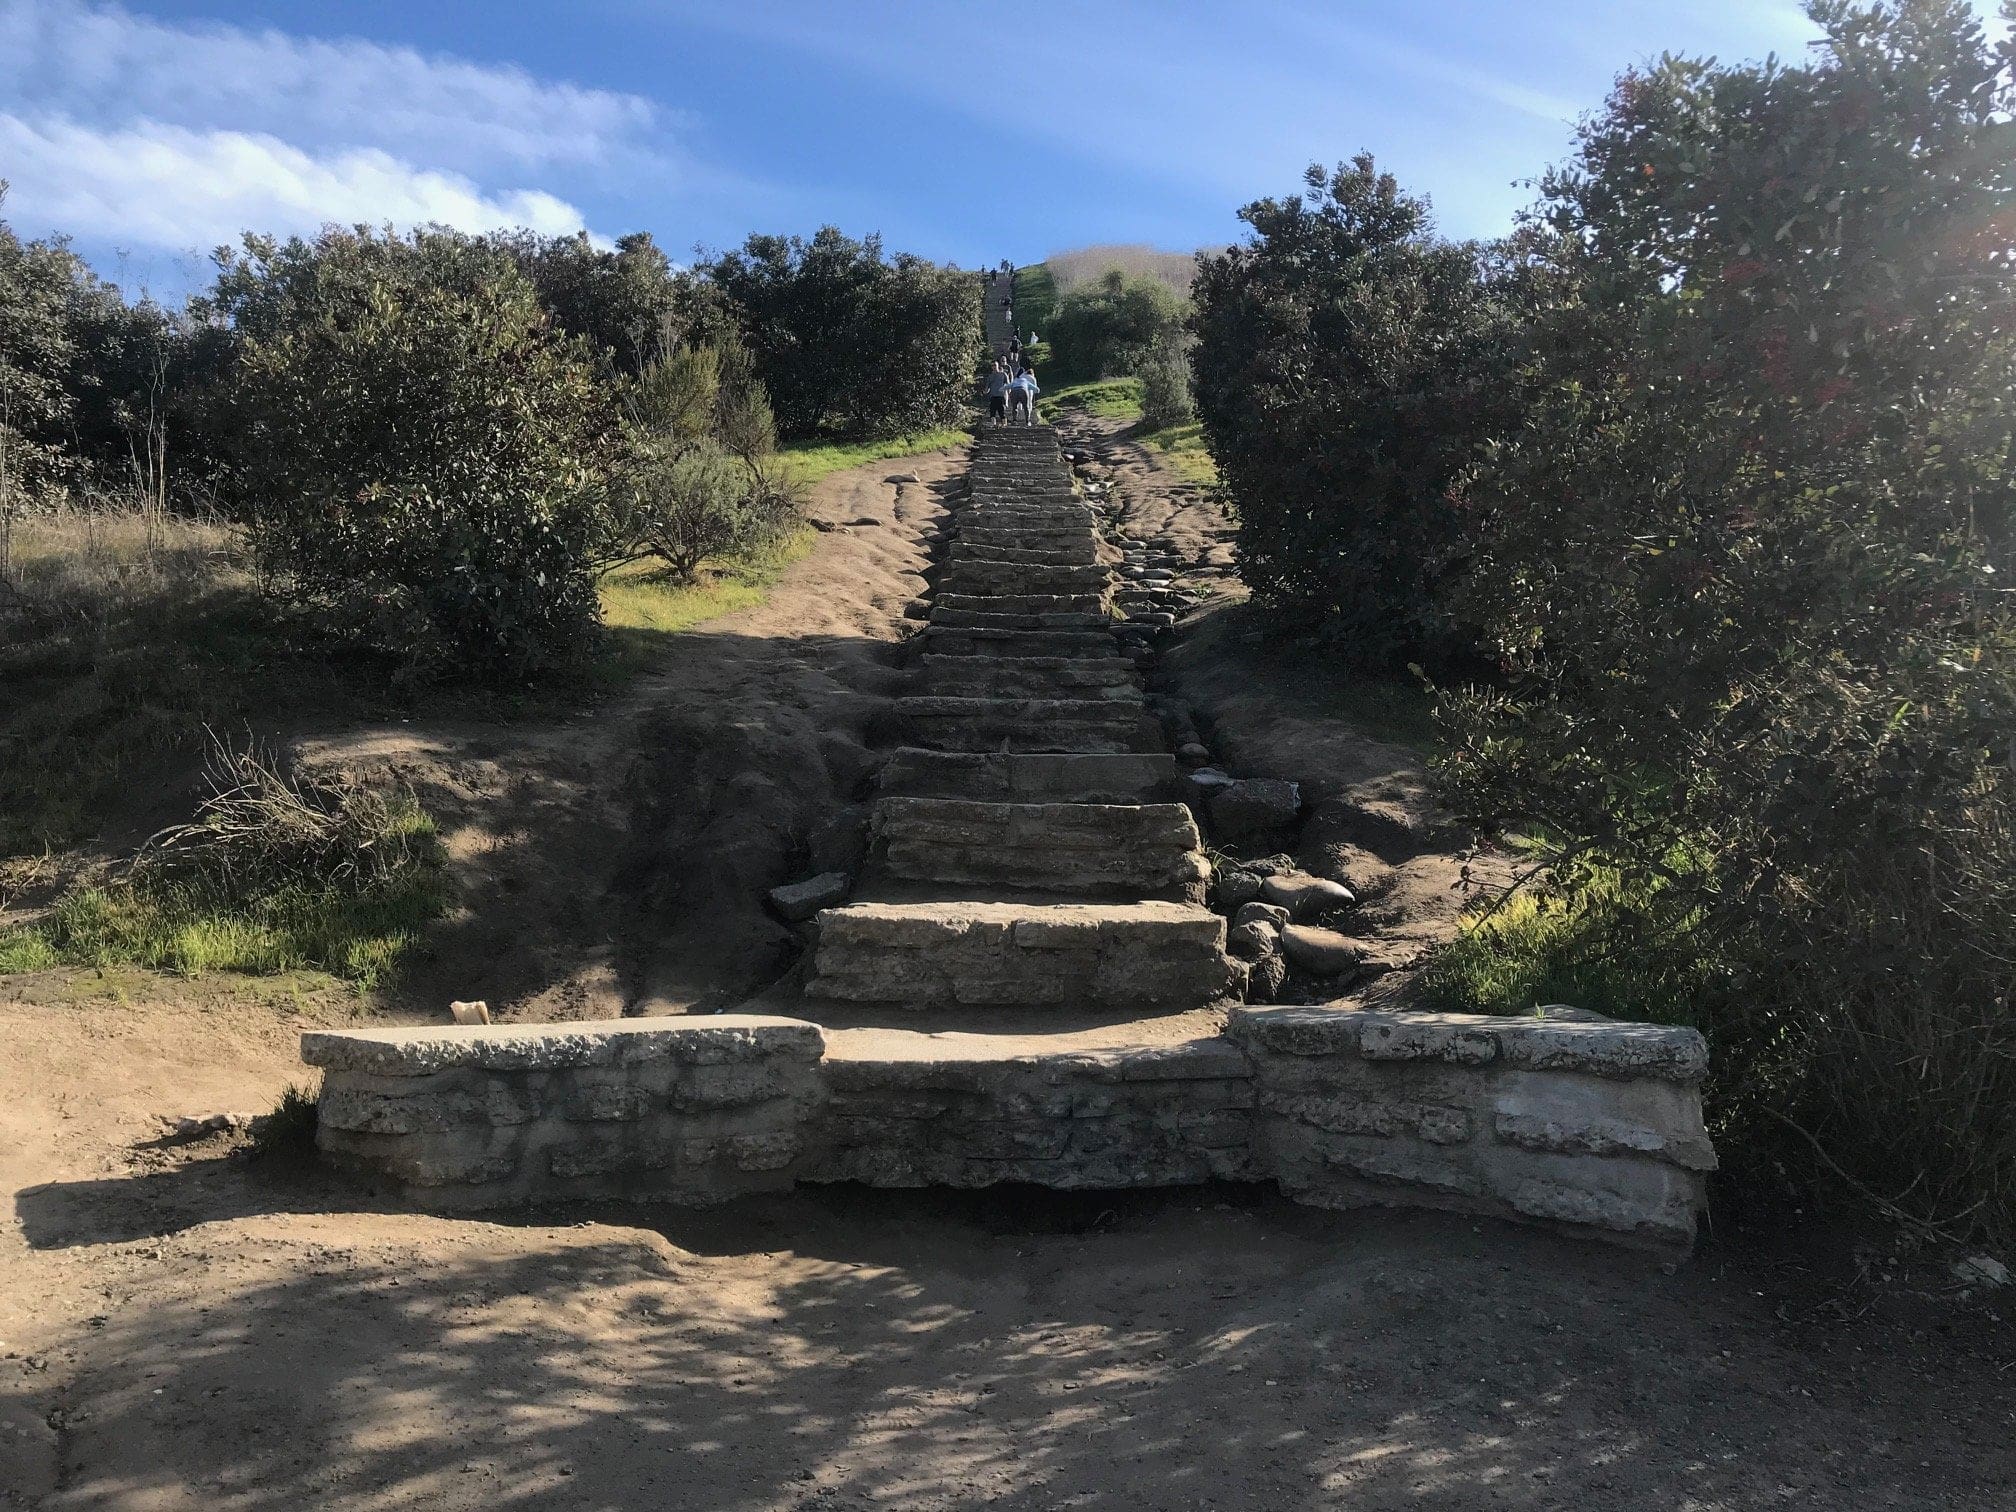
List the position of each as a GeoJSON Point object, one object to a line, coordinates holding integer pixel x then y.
{"type": "Point", "coordinates": [1025, 848]}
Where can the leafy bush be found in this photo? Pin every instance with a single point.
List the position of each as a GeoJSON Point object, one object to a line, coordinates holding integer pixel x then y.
{"type": "Point", "coordinates": [1745, 563]}
{"type": "Point", "coordinates": [1348, 366]}
{"type": "Point", "coordinates": [701, 477]}
{"type": "Point", "coordinates": [846, 339]}
{"type": "Point", "coordinates": [1109, 328]}
{"type": "Point", "coordinates": [416, 449]}
{"type": "Point", "coordinates": [81, 374]}
{"type": "Point", "coordinates": [1166, 400]}
{"type": "Point", "coordinates": [625, 303]}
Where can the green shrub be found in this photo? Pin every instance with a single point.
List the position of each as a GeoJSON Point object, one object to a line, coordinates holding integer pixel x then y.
{"type": "Point", "coordinates": [1166, 400]}
{"type": "Point", "coordinates": [1112, 328]}
{"type": "Point", "coordinates": [418, 453]}
{"type": "Point", "coordinates": [1745, 564]}
{"type": "Point", "coordinates": [701, 475]}
{"type": "Point", "coordinates": [845, 339]}
{"type": "Point", "coordinates": [1349, 365]}
{"type": "Point", "coordinates": [625, 303]}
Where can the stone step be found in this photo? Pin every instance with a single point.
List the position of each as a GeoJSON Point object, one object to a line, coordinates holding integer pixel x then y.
{"type": "Point", "coordinates": [961, 640]}
{"type": "Point", "coordinates": [1023, 603]}
{"type": "Point", "coordinates": [1032, 777]}
{"type": "Point", "coordinates": [1030, 677]}
{"type": "Point", "coordinates": [980, 532]}
{"type": "Point", "coordinates": [1132, 850]}
{"type": "Point", "coordinates": [977, 619]}
{"type": "Point", "coordinates": [1134, 956]}
{"type": "Point", "coordinates": [1082, 553]}
{"type": "Point", "coordinates": [1021, 577]}
{"type": "Point", "coordinates": [1019, 724]}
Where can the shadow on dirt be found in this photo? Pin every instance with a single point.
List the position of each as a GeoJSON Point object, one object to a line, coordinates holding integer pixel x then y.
{"type": "Point", "coordinates": [846, 1347]}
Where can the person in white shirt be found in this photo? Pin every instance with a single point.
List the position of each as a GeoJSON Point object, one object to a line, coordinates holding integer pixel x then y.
{"type": "Point", "coordinates": [1022, 395]}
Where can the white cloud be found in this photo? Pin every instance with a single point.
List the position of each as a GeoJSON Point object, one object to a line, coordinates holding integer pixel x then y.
{"type": "Point", "coordinates": [166, 135]}
{"type": "Point", "coordinates": [103, 64]}
{"type": "Point", "coordinates": [166, 186]}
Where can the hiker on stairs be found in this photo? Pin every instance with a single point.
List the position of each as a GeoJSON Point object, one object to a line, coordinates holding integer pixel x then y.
{"type": "Point", "coordinates": [997, 395]}
{"type": "Point", "coordinates": [1022, 395]}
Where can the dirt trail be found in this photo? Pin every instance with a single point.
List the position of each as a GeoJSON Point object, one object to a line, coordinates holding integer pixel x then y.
{"type": "Point", "coordinates": [182, 1327]}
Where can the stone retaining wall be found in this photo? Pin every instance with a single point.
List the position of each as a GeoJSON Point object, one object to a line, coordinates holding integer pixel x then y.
{"type": "Point", "coordinates": [1592, 1126]}
{"type": "Point", "coordinates": [683, 1110]}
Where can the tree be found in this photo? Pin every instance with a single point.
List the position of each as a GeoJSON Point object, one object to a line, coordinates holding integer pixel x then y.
{"type": "Point", "coordinates": [844, 338]}
{"type": "Point", "coordinates": [1745, 565]}
{"type": "Point", "coordinates": [1110, 328]}
{"type": "Point", "coordinates": [626, 303]}
{"type": "Point", "coordinates": [1349, 365]}
{"type": "Point", "coordinates": [417, 450]}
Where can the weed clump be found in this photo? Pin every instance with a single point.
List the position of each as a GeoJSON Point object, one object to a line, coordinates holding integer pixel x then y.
{"type": "Point", "coordinates": [278, 871]}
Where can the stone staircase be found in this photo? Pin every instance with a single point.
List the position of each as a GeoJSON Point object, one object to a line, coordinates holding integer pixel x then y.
{"type": "Point", "coordinates": [1026, 849]}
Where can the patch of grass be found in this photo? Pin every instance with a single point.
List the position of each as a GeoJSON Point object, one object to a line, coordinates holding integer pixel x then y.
{"type": "Point", "coordinates": [277, 873]}
{"type": "Point", "coordinates": [645, 596]}
{"type": "Point", "coordinates": [288, 1132]}
{"type": "Point", "coordinates": [123, 630]}
{"type": "Point", "coordinates": [1035, 298]}
{"type": "Point", "coordinates": [806, 462]}
{"type": "Point", "coordinates": [1594, 947]}
{"type": "Point", "coordinates": [1182, 446]}
{"type": "Point", "coordinates": [1107, 398]}
{"type": "Point", "coordinates": [643, 603]}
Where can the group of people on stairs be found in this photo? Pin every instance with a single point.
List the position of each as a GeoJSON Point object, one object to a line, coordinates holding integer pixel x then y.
{"type": "Point", "coordinates": [1012, 390]}
{"type": "Point", "coordinates": [1011, 382]}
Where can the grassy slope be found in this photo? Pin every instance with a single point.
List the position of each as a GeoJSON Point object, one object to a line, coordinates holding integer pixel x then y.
{"type": "Point", "coordinates": [1182, 446]}
{"type": "Point", "coordinates": [641, 601]}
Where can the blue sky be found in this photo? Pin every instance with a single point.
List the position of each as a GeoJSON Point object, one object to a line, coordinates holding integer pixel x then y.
{"type": "Point", "coordinates": [963, 132]}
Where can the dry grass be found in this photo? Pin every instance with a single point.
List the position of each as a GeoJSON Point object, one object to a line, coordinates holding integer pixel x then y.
{"type": "Point", "coordinates": [120, 624]}
{"type": "Point", "coordinates": [1087, 264]}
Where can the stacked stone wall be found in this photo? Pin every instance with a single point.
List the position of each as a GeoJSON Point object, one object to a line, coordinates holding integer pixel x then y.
{"type": "Point", "coordinates": [1590, 1126]}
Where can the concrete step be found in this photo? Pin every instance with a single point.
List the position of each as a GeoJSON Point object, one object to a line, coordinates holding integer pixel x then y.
{"type": "Point", "coordinates": [1032, 777]}
{"type": "Point", "coordinates": [1137, 956]}
{"type": "Point", "coordinates": [974, 530]}
{"type": "Point", "coordinates": [960, 640]}
{"type": "Point", "coordinates": [1019, 724]}
{"type": "Point", "coordinates": [1030, 677]}
{"type": "Point", "coordinates": [1089, 849]}
{"type": "Point", "coordinates": [1084, 552]}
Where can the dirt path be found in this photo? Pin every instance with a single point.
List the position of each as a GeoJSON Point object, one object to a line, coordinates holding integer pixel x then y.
{"type": "Point", "coordinates": [182, 1327]}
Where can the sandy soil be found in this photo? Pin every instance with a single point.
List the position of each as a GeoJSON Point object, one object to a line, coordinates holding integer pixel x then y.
{"type": "Point", "coordinates": [185, 1326]}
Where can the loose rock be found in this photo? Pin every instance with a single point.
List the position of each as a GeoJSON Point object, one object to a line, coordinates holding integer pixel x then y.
{"type": "Point", "coordinates": [470, 1013]}
{"type": "Point", "coordinates": [1302, 894]}
{"type": "Point", "coordinates": [1255, 806]}
{"type": "Point", "coordinates": [1265, 980]}
{"type": "Point", "coordinates": [1320, 952]}
{"type": "Point", "coordinates": [1254, 940]}
{"type": "Point", "coordinates": [1237, 887]}
{"type": "Point", "coordinates": [798, 901]}
{"type": "Point", "coordinates": [1262, 913]}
